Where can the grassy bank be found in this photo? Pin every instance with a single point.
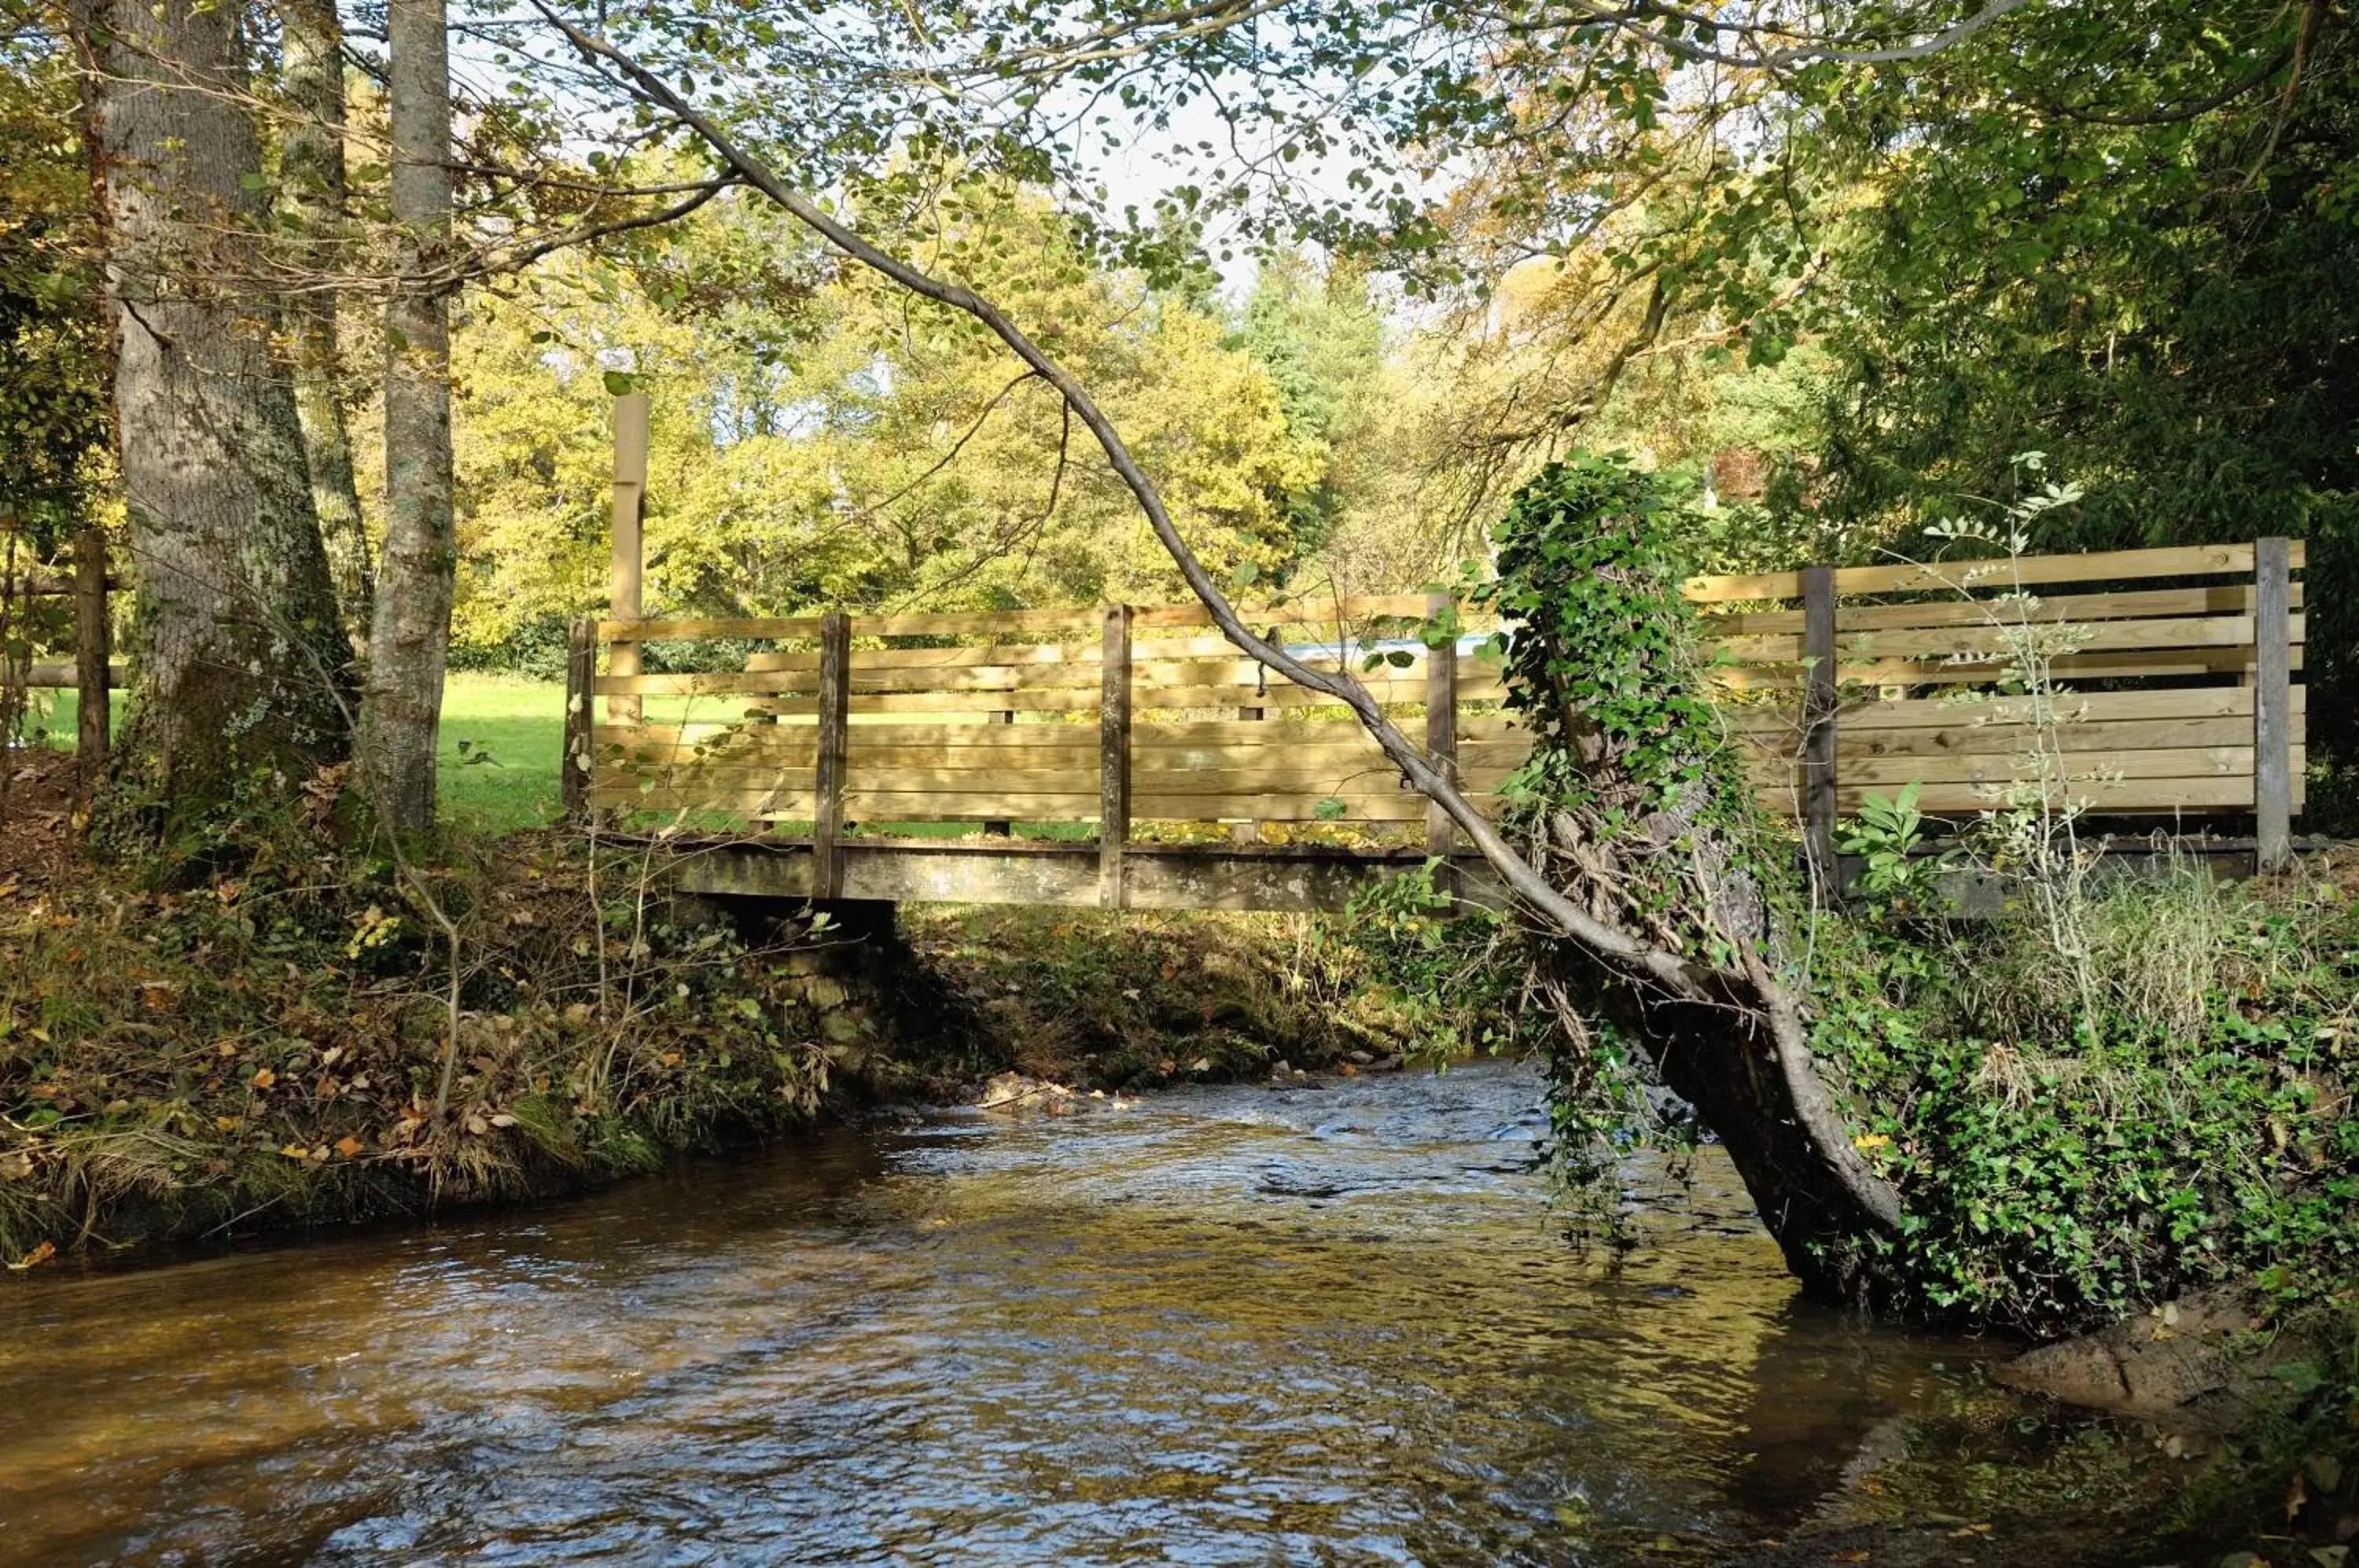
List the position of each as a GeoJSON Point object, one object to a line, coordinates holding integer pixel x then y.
{"type": "Point", "coordinates": [306, 1040]}
{"type": "Point", "coordinates": [302, 1039]}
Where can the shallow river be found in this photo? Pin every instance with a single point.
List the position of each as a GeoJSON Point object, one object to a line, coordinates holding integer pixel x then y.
{"type": "Point", "coordinates": [1228, 1325]}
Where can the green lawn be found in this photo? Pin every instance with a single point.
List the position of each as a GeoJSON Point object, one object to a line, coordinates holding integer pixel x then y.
{"type": "Point", "coordinates": [519, 725]}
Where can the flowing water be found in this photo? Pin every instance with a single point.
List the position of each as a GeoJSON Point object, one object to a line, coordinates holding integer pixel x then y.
{"type": "Point", "coordinates": [1241, 1324]}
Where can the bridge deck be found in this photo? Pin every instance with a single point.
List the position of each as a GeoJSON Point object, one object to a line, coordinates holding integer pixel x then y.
{"type": "Point", "coordinates": [1134, 725]}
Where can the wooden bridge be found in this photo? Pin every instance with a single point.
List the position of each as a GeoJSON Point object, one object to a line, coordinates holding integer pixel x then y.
{"type": "Point", "coordinates": [1127, 756]}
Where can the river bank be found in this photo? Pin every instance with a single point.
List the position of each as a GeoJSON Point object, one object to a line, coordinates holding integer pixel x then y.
{"type": "Point", "coordinates": [317, 1038]}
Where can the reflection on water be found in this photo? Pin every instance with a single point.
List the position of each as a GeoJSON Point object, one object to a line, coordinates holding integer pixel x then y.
{"type": "Point", "coordinates": [1233, 1325]}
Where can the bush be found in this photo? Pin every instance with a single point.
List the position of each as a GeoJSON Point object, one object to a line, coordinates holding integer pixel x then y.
{"type": "Point", "coordinates": [2075, 1134]}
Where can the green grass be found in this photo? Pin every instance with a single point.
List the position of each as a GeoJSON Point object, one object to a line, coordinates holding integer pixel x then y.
{"type": "Point", "coordinates": [518, 725]}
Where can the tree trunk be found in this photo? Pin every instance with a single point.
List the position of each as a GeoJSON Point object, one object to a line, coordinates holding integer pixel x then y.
{"type": "Point", "coordinates": [311, 159]}
{"type": "Point", "coordinates": [411, 631]}
{"type": "Point", "coordinates": [237, 656]}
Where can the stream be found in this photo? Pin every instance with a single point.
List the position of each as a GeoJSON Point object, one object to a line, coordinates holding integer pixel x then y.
{"type": "Point", "coordinates": [1324, 1324]}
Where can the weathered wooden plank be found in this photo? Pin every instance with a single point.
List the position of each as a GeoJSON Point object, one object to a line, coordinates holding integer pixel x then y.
{"type": "Point", "coordinates": [975, 623]}
{"type": "Point", "coordinates": [755, 628]}
{"type": "Point", "coordinates": [2190, 561]}
{"type": "Point", "coordinates": [1440, 736]}
{"type": "Point", "coordinates": [828, 793]}
{"type": "Point", "coordinates": [919, 658]}
{"type": "Point", "coordinates": [2127, 797]}
{"type": "Point", "coordinates": [1987, 645]}
{"type": "Point", "coordinates": [1916, 614]}
{"type": "Point", "coordinates": [2273, 791]}
{"type": "Point", "coordinates": [2155, 665]}
{"type": "Point", "coordinates": [1819, 729]}
{"type": "Point", "coordinates": [1114, 756]}
{"type": "Point", "coordinates": [2177, 762]}
{"type": "Point", "coordinates": [2160, 702]}
{"type": "Point", "coordinates": [626, 556]}
{"type": "Point", "coordinates": [2081, 736]}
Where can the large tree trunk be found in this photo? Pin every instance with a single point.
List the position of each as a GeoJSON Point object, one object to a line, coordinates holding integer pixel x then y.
{"type": "Point", "coordinates": [311, 159]}
{"type": "Point", "coordinates": [237, 652]}
{"type": "Point", "coordinates": [410, 633]}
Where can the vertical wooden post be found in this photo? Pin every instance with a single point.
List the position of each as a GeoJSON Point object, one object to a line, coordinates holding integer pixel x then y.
{"type": "Point", "coordinates": [995, 828]}
{"type": "Point", "coordinates": [627, 561]}
{"type": "Point", "coordinates": [1441, 742]}
{"type": "Point", "coordinates": [580, 678]}
{"type": "Point", "coordinates": [1819, 731]}
{"type": "Point", "coordinates": [1113, 759]}
{"type": "Point", "coordinates": [2272, 704]}
{"type": "Point", "coordinates": [834, 724]}
{"type": "Point", "coordinates": [93, 648]}
{"type": "Point", "coordinates": [1250, 832]}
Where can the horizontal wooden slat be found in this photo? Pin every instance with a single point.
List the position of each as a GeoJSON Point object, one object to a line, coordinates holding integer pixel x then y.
{"type": "Point", "coordinates": [1954, 612]}
{"type": "Point", "coordinates": [2152, 665]}
{"type": "Point", "coordinates": [1987, 645]}
{"type": "Point", "coordinates": [1983, 740]}
{"type": "Point", "coordinates": [2096, 566]}
{"type": "Point", "coordinates": [661, 631]}
{"type": "Point", "coordinates": [2161, 702]}
{"type": "Point", "coordinates": [978, 622]}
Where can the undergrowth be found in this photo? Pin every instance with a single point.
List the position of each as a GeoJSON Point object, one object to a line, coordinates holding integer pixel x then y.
{"type": "Point", "coordinates": [273, 1043]}
{"type": "Point", "coordinates": [2076, 1133]}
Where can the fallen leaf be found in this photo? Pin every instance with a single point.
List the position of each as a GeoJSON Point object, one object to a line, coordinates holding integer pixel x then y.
{"type": "Point", "coordinates": [15, 1168]}
{"type": "Point", "coordinates": [504, 1120]}
{"type": "Point", "coordinates": [296, 1151]}
{"type": "Point", "coordinates": [39, 1255]}
{"type": "Point", "coordinates": [1867, 1140]}
{"type": "Point", "coordinates": [349, 1145]}
{"type": "Point", "coordinates": [225, 1124]}
{"type": "Point", "coordinates": [265, 1078]}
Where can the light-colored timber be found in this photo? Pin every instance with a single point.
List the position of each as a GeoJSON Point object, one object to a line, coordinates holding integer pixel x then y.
{"type": "Point", "coordinates": [1123, 731]}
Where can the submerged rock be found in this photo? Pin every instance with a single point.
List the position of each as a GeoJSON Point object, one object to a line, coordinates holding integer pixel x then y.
{"type": "Point", "coordinates": [1010, 1090]}
{"type": "Point", "coordinates": [2203, 1362]}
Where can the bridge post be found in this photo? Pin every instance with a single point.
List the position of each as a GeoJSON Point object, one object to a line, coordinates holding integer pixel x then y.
{"type": "Point", "coordinates": [627, 555]}
{"type": "Point", "coordinates": [1441, 744]}
{"type": "Point", "coordinates": [827, 782]}
{"type": "Point", "coordinates": [2272, 704]}
{"type": "Point", "coordinates": [1114, 758]}
{"type": "Point", "coordinates": [1819, 703]}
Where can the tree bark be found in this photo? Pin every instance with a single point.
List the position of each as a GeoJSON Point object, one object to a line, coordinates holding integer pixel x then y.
{"type": "Point", "coordinates": [237, 656]}
{"type": "Point", "coordinates": [311, 159]}
{"type": "Point", "coordinates": [411, 631]}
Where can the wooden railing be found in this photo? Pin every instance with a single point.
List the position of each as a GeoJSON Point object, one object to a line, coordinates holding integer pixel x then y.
{"type": "Point", "coordinates": [90, 676]}
{"type": "Point", "coordinates": [1128, 719]}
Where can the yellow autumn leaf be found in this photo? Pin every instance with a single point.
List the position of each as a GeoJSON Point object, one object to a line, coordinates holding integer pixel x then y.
{"type": "Point", "coordinates": [1870, 1140]}
{"type": "Point", "coordinates": [296, 1151]}
{"type": "Point", "coordinates": [226, 1124]}
{"type": "Point", "coordinates": [264, 1079]}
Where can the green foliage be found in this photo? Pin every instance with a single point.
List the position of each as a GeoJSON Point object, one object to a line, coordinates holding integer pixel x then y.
{"type": "Point", "coordinates": [1603, 665]}
{"type": "Point", "coordinates": [1887, 836]}
{"type": "Point", "coordinates": [2058, 1164]}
